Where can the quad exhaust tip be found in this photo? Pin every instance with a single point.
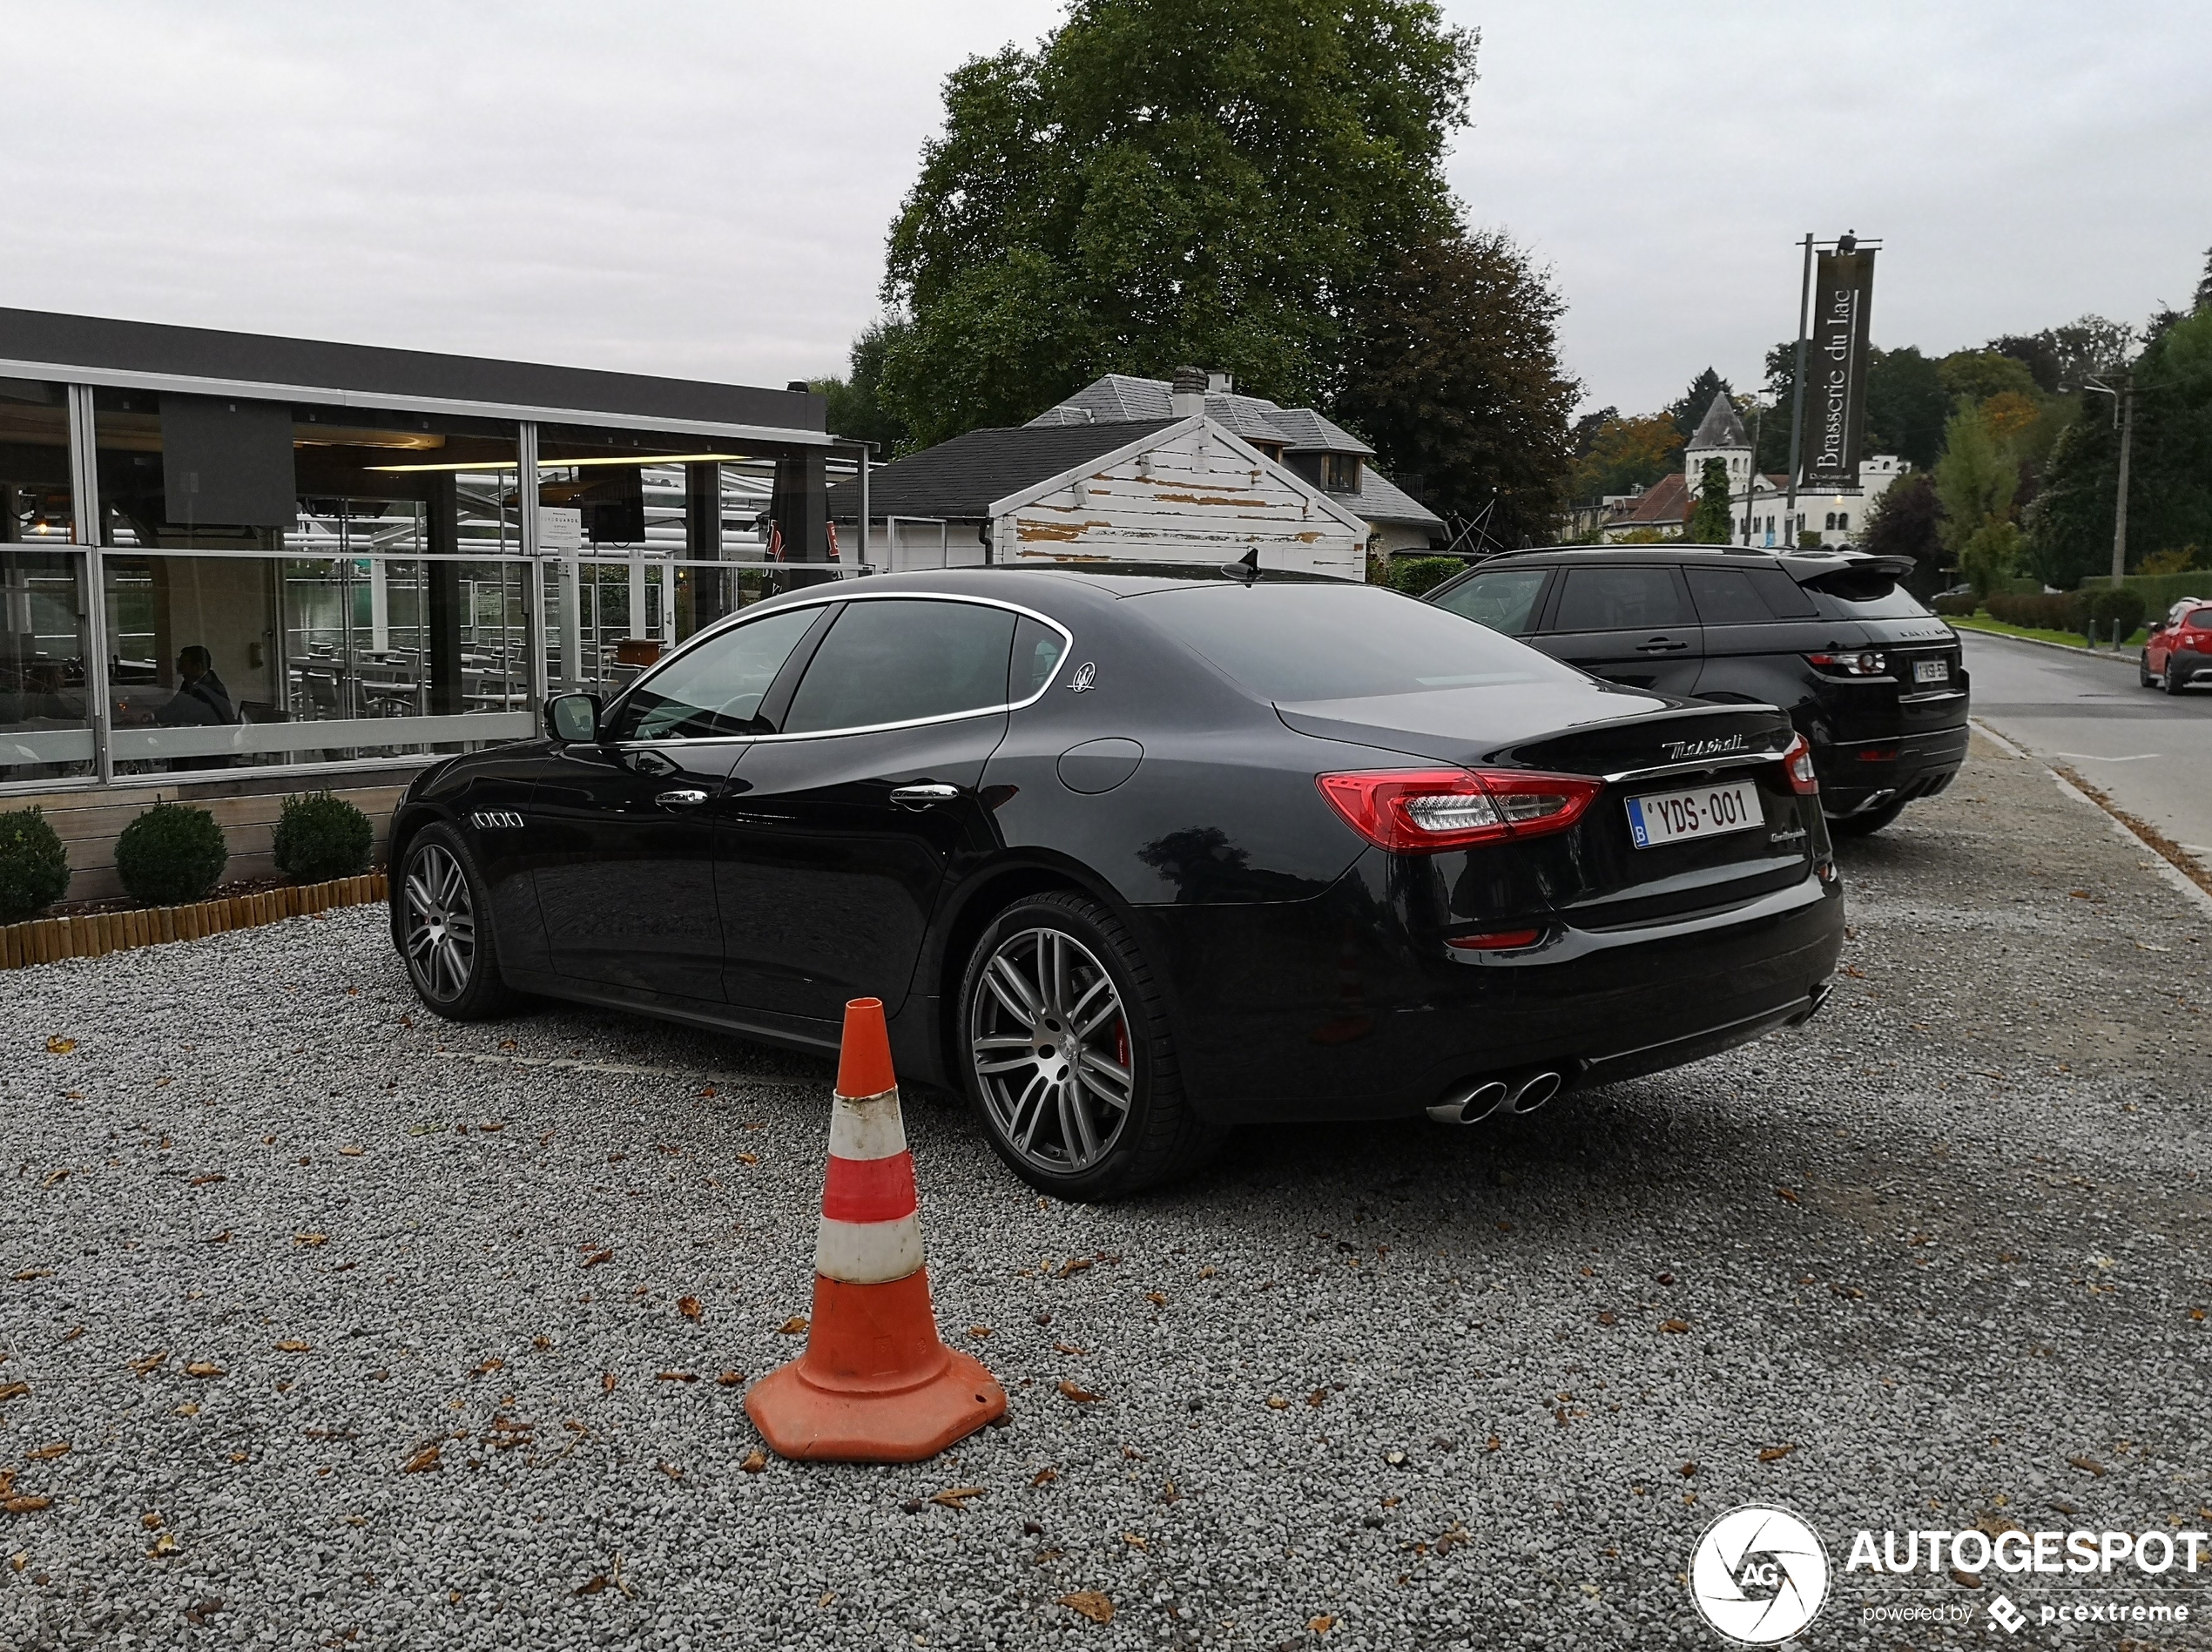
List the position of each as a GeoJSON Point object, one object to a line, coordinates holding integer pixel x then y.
{"type": "Point", "coordinates": [1472, 1103]}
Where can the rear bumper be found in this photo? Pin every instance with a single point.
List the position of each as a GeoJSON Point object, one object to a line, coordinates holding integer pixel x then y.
{"type": "Point", "coordinates": [1865, 774]}
{"type": "Point", "coordinates": [1332, 1009]}
{"type": "Point", "coordinates": [2190, 668]}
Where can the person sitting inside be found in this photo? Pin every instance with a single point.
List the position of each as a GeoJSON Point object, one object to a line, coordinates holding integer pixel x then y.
{"type": "Point", "coordinates": [200, 698]}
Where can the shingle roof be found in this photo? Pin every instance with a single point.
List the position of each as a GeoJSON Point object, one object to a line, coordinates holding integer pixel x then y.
{"type": "Point", "coordinates": [1720, 428]}
{"type": "Point", "coordinates": [1665, 502]}
{"type": "Point", "coordinates": [960, 479]}
{"type": "Point", "coordinates": [1379, 499]}
{"type": "Point", "coordinates": [1120, 397]}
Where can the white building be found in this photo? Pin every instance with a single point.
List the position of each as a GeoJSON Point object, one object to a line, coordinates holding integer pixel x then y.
{"type": "Point", "coordinates": [1759, 501]}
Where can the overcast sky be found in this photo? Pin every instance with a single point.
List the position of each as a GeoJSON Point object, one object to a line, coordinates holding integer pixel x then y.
{"type": "Point", "coordinates": [702, 189]}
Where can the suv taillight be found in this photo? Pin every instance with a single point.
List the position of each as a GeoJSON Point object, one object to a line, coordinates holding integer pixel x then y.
{"type": "Point", "coordinates": [1422, 810]}
{"type": "Point", "coordinates": [1864, 663]}
{"type": "Point", "coordinates": [1797, 763]}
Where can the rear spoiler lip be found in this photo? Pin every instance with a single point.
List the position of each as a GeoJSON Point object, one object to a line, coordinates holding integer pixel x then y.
{"type": "Point", "coordinates": [1808, 571]}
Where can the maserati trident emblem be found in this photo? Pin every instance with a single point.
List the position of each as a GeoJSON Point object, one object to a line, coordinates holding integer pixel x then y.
{"type": "Point", "coordinates": [1677, 750]}
{"type": "Point", "coordinates": [1086, 676]}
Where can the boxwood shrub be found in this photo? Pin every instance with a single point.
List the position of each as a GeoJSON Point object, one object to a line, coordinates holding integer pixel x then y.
{"type": "Point", "coordinates": [34, 868]}
{"type": "Point", "coordinates": [170, 854]}
{"type": "Point", "coordinates": [320, 836]}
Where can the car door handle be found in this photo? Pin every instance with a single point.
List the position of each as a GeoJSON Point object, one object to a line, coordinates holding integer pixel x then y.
{"type": "Point", "coordinates": [684, 797]}
{"type": "Point", "coordinates": [920, 797]}
{"type": "Point", "coordinates": [1662, 645]}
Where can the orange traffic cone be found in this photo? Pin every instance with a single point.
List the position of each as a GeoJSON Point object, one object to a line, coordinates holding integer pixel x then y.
{"type": "Point", "coordinates": [875, 1385]}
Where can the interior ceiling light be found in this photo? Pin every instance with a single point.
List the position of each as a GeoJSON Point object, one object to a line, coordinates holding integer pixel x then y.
{"type": "Point", "coordinates": [569, 464]}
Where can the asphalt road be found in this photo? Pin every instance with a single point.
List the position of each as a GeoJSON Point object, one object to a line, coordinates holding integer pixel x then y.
{"type": "Point", "coordinates": [325, 1323]}
{"type": "Point", "coordinates": [2150, 753]}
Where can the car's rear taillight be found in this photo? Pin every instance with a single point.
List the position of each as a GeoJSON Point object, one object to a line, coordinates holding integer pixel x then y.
{"type": "Point", "coordinates": [1863, 663]}
{"type": "Point", "coordinates": [1421, 811]}
{"type": "Point", "coordinates": [1797, 763]}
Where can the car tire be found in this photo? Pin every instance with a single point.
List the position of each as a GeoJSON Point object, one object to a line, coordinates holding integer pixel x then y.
{"type": "Point", "coordinates": [1867, 822]}
{"type": "Point", "coordinates": [2142, 670]}
{"type": "Point", "coordinates": [1062, 1045]}
{"type": "Point", "coordinates": [2170, 683]}
{"type": "Point", "coordinates": [442, 917]}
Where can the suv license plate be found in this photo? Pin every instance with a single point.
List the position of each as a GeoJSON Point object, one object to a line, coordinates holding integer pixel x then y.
{"type": "Point", "coordinates": [1708, 811]}
{"type": "Point", "coordinates": [1932, 670]}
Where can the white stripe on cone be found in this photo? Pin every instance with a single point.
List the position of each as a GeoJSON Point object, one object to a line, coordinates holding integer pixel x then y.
{"type": "Point", "coordinates": [868, 1252]}
{"type": "Point", "coordinates": [868, 1127]}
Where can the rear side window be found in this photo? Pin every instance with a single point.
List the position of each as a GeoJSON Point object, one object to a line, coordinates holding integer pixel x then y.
{"type": "Point", "coordinates": [2200, 620]}
{"type": "Point", "coordinates": [1037, 649]}
{"type": "Point", "coordinates": [1725, 596]}
{"type": "Point", "coordinates": [1339, 642]}
{"type": "Point", "coordinates": [899, 659]}
{"type": "Point", "coordinates": [1504, 600]}
{"type": "Point", "coordinates": [1619, 599]}
{"type": "Point", "coordinates": [716, 688]}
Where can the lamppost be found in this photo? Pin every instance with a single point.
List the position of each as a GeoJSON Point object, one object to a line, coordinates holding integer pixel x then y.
{"type": "Point", "coordinates": [2123, 414]}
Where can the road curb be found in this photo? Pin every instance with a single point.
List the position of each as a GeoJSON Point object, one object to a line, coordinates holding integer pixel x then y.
{"type": "Point", "coordinates": [2038, 641]}
{"type": "Point", "coordinates": [2170, 870]}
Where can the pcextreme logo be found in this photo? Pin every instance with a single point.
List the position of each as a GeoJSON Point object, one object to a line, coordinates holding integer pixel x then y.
{"type": "Point", "coordinates": [1758, 1575]}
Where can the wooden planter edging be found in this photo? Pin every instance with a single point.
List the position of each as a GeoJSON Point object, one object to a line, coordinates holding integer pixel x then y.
{"type": "Point", "coordinates": [45, 941]}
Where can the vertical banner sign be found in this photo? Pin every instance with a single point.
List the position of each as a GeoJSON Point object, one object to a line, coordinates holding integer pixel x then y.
{"type": "Point", "coordinates": [1836, 370]}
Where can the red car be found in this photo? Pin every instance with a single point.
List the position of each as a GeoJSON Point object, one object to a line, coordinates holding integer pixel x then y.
{"type": "Point", "coordinates": [2179, 650]}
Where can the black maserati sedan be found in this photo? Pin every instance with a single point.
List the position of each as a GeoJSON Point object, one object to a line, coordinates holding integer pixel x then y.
{"type": "Point", "coordinates": [1132, 858]}
{"type": "Point", "coordinates": [1875, 683]}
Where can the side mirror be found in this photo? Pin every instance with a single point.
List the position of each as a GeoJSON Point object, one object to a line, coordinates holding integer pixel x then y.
{"type": "Point", "coordinates": [573, 717]}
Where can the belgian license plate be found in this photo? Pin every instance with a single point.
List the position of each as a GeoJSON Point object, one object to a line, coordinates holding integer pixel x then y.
{"type": "Point", "coordinates": [1708, 812]}
{"type": "Point", "coordinates": [1932, 670]}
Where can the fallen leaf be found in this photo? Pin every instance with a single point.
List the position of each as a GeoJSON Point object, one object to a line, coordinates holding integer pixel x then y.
{"type": "Point", "coordinates": [729, 1378]}
{"type": "Point", "coordinates": [494, 1127]}
{"type": "Point", "coordinates": [677, 1376]}
{"type": "Point", "coordinates": [311, 1240]}
{"type": "Point", "coordinates": [1494, 1444]}
{"type": "Point", "coordinates": [10, 1390]}
{"type": "Point", "coordinates": [793, 1326]}
{"type": "Point", "coordinates": [673, 1473]}
{"type": "Point", "coordinates": [1607, 1317]}
{"type": "Point", "coordinates": [597, 1256]}
{"type": "Point", "coordinates": [956, 1497]}
{"type": "Point", "coordinates": [1505, 1227]}
{"type": "Point", "coordinates": [1317, 1397]}
{"type": "Point", "coordinates": [1320, 1625]}
{"type": "Point", "coordinates": [1156, 1299]}
{"type": "Point", "coordinates": [1675, 1327]}
{"type": "Point", "coordinates": [47, 1453]}
{"type": "Point", "coordinates": [1091, 1604]}
{"type": "Point", "coordinates": [1077, 1264]}
{"type": "Point", "coordinates": [2088, 1466]}
{"type": "Point", "coordinates": [164, 1546]}
{"type": "Point", "coordinates": [978, 1330]}
{"type": "Point", "coordinates": [203, 1368]}
{"type": "Point", "coordinates": [1081, 1396]}
{"type": "Point", "coordinates": [1786, 1195]}
{"type": "Point", "coordinates": [224, 1237]}
{"type": "Point", "coordinates": [1044, 1477]}
{"type": "Point", "coordinates": [1276, 1402]}
{"type": "Point", "coordinates": [1133, 1539]}
{"type": "Point", "coordinates": [1168, 1493]}
{"type": "Point", "coordinates": [542, 1342]}
{"type": "Point", "coordinates": [690, 1307]}
{"type": "Point", "coordinates": [208, 1180]}
{"type": "Point", "coordinates": [591, 1586]}
{"type": "Point", "coordinates": [1069, 1348]}
{"type": "Point", "coordinates": [25, 1505]}
{"type": "Point", "coordinates": [423, 1461]}
{"type": "Point", "coordinates": [1687, 1470]}
{"type": "Point", "coordinates": [28, 1274]}
{"type": "Point", "coordinates": [606, 1382]}
{"type": "Point", "coordinates": [188, 1409]}
{"type": "Point", "coordinates": [1775, 1453]}
{"type": "Point", "coordinates": [55, 1180]}
{"type": "Point", "coordinates": [755, 1460]}
{"type": "Point", "coordinates": [292, 1344]}
{"type": "Point", "coordinates": [748, 1158]}
{"type": "Point", "coordinates": [59, 1046]}
{"type": "Point", "coordinates": [349, 1152]}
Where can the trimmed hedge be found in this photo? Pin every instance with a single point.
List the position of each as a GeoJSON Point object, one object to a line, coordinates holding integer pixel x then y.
{"type": "Point", "coordinates": [2057, 612]}
{"type": "Point", "coordinates": [1959, 607]}
{"type": "Point", "coordinates": [34, 867]}
{"type": "Point", "coordinates": [170, 855]}
{"type": "Point", "coordinates": [1418, 576]}
{"type": "Point", "coordinates": [2160, 592]}
{"type": "Point", "coordinates": [319, 837]}
{"type": "Point", "coordinates": [2093, 612]}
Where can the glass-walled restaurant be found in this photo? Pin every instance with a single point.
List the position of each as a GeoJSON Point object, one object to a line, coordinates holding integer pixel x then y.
{"type": "Point", "coordinates": [196, 581]}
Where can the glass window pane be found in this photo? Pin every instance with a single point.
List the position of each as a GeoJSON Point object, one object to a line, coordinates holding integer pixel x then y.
{"type": "Point", "coordinates": [895, 660]}
{"type": "Point", "coordinates": [1504, 600]}
{"type": "Point", "coordinates": [45, 727]}
{"type": "Point", "coordinates": [1615, 599]}
{"type": "Point", "coordinates": [716, 688]}
{"type": "Point", "coordinates": [1724, 596]}
{"type": "Point", "coordinates": [1037, 649]}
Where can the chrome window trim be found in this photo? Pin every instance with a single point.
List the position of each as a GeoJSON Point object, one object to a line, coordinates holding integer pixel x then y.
{"type": "Point", "coordinates": [1067, 637]}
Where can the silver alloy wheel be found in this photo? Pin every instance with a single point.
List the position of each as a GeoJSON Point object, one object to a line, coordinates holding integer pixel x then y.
{"type": "Point", "coordinates": [441, 922]}
{"type": "Point", "coordinates": [1050, 1045]}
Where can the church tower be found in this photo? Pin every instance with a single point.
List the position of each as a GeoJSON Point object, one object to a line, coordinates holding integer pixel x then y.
{"type": "Point", "coordinates": [1720, 435]}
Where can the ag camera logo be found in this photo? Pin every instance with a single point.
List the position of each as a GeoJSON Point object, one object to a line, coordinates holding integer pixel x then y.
{"type": "Point", "coordinates": [1758, 1575]}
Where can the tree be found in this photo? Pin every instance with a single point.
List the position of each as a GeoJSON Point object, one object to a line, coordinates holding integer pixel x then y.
{"type": "Point", "coordinates": [2203, 299]}
{"type": "Point", "coordinates": [1452, 371]}
{"type": "Point", "coordinates": [1689, 407]}
{"type": "Point", "coordinates": [1625, 455]}
{"type": "Point", "coordinates": [1907, 521]}
{"type": "Point", "coordinates": [856, 407]}
{"type": "Point", "coordinates": [2169, 489]}
{"type": "Point", "coordinates": [1906, 405]}
{"type": "Point", "coordinates": [1974, 482]}
{"type": "Point", "coordinates": [2034, 351]}
{"type": "Point", "coordinates": [1168, 181]}
{"type": "Point", "coordinates": [1989, 555]}
{"type": "Point", "coordinates": [1980, 374]}
{"type": "Point", "coordinates": [1713, 520]}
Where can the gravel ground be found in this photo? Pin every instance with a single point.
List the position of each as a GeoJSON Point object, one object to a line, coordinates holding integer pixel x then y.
{"type": "Point", "coordinates": [1365, 1388]}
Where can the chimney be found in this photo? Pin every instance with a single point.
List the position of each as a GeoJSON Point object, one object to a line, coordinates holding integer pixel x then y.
{"type": "Point", "coordinates": [1220, 383]}
{"type": "Point", "coordinates": [1187, 396]}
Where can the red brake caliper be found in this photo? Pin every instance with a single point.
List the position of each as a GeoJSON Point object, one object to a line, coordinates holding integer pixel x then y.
{"type": "Point", "coordinates": [1121, 1042]}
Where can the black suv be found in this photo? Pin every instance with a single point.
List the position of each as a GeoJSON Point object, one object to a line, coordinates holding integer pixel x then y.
{"type": "Point", "coordinates": [1871, 679]}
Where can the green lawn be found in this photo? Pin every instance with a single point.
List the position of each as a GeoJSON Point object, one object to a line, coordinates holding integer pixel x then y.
{"type": "Point", "coordinates": [2069, 639]}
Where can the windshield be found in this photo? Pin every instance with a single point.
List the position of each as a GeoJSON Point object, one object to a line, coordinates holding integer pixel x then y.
{"type": "Point", "coordinates": [1342, 642]}
{"type": "Point", "coordinates": [1863, 593]}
